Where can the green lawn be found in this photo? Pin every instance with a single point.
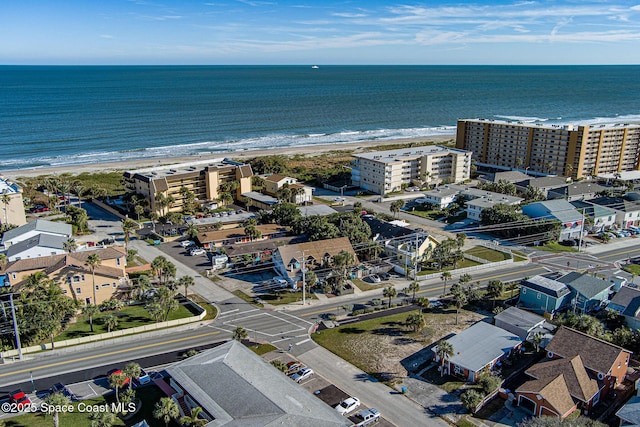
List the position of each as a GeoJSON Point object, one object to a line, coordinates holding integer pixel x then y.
{"type": "Point", "coordinates": [446, 382]}
{"type": "Point", "coordinates": [212, 312]}
{"type": "Point", "coordinates": [519, 256]}
{"type": "Point", "coordinates": [128, 317]}
{"type": "Point", "coordinates": [462, 264]}
{"type": "Point", "coordinates": [489, 254]}
{"type": "Point", "coordinates": [557, 247]}
{"type": "Point", "coordinates": [364, 286]}
{"type": "Point", "coordinates": [38, 419]}
{"type": "Point", "coordinates": [261, 349]}
{"type": "Point", "coordinates": [632, 269]}
{"type": "Point", "coordinates": [247, 298]}
{"type": "Point", "coordinates": [285, 297]}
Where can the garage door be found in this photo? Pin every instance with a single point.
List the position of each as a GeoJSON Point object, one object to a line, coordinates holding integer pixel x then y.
{"type": "Point", "coordinates": [527, 404]}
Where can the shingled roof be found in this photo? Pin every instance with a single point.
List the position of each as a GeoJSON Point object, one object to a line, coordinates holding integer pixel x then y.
{"type": "Point", "coordinates": [316, 250]}
{"type": "Point", "coordinates": [579, 383]}
{"type": "Point", "coordinates": [45, 262]}
{"type": "Point", "coordinates": [596, 354]}
{"type": "Point", "coordinates": [554, 390]}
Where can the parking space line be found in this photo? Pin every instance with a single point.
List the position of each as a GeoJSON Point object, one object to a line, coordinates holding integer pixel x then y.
{"type": "Point", "coordinates": [226, 313]}
{"type": "Point", "coordinates": [296, 317]}
{"type": "Point", "coordinates": [303, 341]}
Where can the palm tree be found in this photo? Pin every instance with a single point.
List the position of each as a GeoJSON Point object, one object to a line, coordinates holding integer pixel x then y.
{"type": "Point", "coordinates": [93, 261]}
{"type": "Point", "coordinates": [6, 199]}
{"type": "Point", "coordinates": [186, 281]}
{"type": "Point", "coordinates": [155, 310]}
{"type": "Point", "coordinates": [132, 370]}
{"type": "Point", "coordinates": [460, 299]}
{"type": "Point", "coordinates": [192, 231]}
{"type": "Point", "coordinates": [444, 351]}
{"type": "Point", "coordinates": [111, 322]}
{"type": "Point", "coordinates": [415, 321]}
{"type": "Point", "coordinates": [128, 226]}
{"type": "Point", "coordinates": [153, 216]}
{"type": "Point", "coordinates": [537, 339]}
{"type": "Point", "coordinates": [166, 410]}
{"type": "Point", "coordinates": [240, 334]}
{"type": "Point", "coordinates": [389, 292]}
{"type": "Point", "coordinates": [56, 402]}
{"type": "Point", "coordinates": [3, 261]}
{"type": "Point", "coordinates": [79, 189]}
{"type": "Point", "coordinates": [445, 276]}
{"type": "Point", "coordinates": [414, 287]}
{"type": "Point", "coordinates": [118, 380]}
{"type": "Point", "coordinates": [396, 206]}
{"type": "Point", "coordinates": [70, 245]}
{"type": "Point", "coordinates": [193, 420]}
{"type": "Point", "coordinates": [102, 419]}
{"type": "Point", "coordinates": [139, 210]}
{"type": "Point", "coordinates": [494, 290]}
{"type": "Point", "coordinates": [90, 310]}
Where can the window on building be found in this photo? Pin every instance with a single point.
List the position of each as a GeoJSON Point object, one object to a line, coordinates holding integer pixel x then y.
{"type": "Point", "coordinates": [539, 295]}
{"type": "Point", "coordinates": [78, 291]}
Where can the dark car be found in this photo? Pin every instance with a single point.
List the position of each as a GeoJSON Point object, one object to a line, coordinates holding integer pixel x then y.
{"type": "Point", "coordinates": [384, 276]}
{"type": "Point", "coordinates": [61, 388]}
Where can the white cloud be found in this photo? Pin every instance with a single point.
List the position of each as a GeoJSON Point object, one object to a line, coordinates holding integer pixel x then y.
{"type": "Point", "coordinates": [106, 36]}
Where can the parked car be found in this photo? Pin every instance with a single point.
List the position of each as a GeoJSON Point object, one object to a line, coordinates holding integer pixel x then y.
{"type": "Point", "coordinates": [384, 276]}
{"type": "Point", "coordinates": [348, 405]}
{"type": "Point", "coordinates": [435, 303]}
{"type": "Point", "coordinates": [302, 375]}
{"type": "Point", "coordinates": [39, 209]}
{"type": "Point", "coordinates": [143, 378]}
{"type": "Point", "coordinates": [570, 242]}
{"type": "Point", "coordinates": [19, 398]}
{"type": "Point", "coordinates": [187, 243]}
{"type": "Point", "coordinates": [374, 278]}
{"type": "Point", "coordinates": [278, 280]}
{"type": "Point", "coordinates": [197, 251]}
{"type": "Point", "coordinates": [293, 367]}
{"type": "Point", "coordinates": [61, 388]}
{"type": "Point", "coordinates": [366, 417]}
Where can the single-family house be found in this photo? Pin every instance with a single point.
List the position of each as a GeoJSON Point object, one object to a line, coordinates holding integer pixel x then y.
{"type": "Point", "coordinates": [37, 246]}
{"type": "Point", "coordinates": [627, 211]}
{"type": "Point", "coordinates": [558, 388]}
{"type": "Point", "coordinates": [544, 295]}
{"type": "Point", "coordinates": [441, 197]}
{"type": "Point", "coordinates": [74, 276]}
{"type": "Point", "coordinates": [525, 324]}
{"type": "Point", "coordinates": [576, 191]}
{"type": "Point", "coordinates": [543, 184]}
{"type": "Point", "coordinates": [254, 199]}
{"type": "Point", "coordinates": [512, 176]}
{"type": "Point", "coordinates": [627, 303]}
{"type": "Point", "coordinates": [234, 386]}
{"type": "Point", "coordinates": [476, 206]}
{"type": "Point", "coordinates": [606, 361]}
{"type": "Point", "coordinates": [289, 260]}
{"type": "Point", "coordinates": [479, 348]}
{"type": "Point", "coordinates": [560, 210]}
{"type": "Point", "coordinates": [34, 228]}
{"type": "Point", "coordinates": [220, 238]}
{"type": "Point", "coordinates": [275, 184]}
{"type": "Point", "coordinates": [588, 293]}
{"type": "Point", "coordinates": [601, 217]}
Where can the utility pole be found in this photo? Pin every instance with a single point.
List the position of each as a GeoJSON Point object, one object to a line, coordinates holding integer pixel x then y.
{"type": "Point", "coordinates": [15, 326]}
{"type": "Point", "coordinates": [581, 232]}
{"type": "Point", "coordinates": [304, 283]}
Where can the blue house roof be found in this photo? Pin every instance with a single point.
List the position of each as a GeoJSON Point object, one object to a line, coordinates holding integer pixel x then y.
{"type": "Point", "coordinates": [547, 286]}
{"type": "Point", "coordinates": [585, 284]}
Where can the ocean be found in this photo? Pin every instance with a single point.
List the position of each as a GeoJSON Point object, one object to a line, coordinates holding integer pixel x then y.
{"type": "Point", "coordinates": [65, 115]}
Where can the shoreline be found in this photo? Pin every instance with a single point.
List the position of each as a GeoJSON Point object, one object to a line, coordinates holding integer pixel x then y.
{"type": "Point", "coordinates": [126, 165]}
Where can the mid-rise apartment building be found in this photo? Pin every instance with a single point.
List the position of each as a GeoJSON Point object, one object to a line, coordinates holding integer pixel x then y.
{"type": "Point", "coordinates": [565, 150]}
{"type": "Point", "coordinates": [11, 203]}
{"type": "Point", "coordinates": [382, 172]}
{"type": "Point", "coordinates": [205, 179]}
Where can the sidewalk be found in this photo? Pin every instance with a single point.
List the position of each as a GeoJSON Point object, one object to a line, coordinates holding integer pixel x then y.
{"type": "Point", "coordinates": [626, 242]}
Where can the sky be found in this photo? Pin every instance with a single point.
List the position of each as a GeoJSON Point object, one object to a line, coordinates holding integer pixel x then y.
{"type": "Point", "coordinates": [322, 32]}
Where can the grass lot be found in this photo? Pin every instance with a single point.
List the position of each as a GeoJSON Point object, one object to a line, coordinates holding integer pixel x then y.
{"type": "Point", "coordinates": [632, 269]}
{"type": "Point", "coordinates": [212, 312]}
{"type": "Point", "coordinates": [247, 298]}
{"type": "Point", "coordinates": [365, 286]}
{"type": "Point", "coordinates": [285, 297]}
{"type": "Point", "coordinates": [462, 264]}
{"type": "Point", "coordinates": [38, 419]}
{"type": "Point", "coordinates": [557, 247]}
{"type": "Point", "coordinates": [519, 256]}
{"type": "Point", "coordinates": [488, 254]}
{"type": "Point", "coordinates": [128, 317]}
{"type": "Point", "coordinates": [425, 212]}
{"type": "Point", "coordinates": [377, 345]}
{"type": "Point", "coordinates": [445, 382]}
{"type": "Point", "coordinates": [261, 349]}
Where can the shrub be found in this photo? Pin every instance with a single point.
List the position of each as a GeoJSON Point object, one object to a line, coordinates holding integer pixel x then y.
{"type": "Point", "coordinates": [331, 316]}
{"type": "Point", "coordinates": [471, 399]}
{"type": "Point", "coordinates": [376, 301]}
{"type": "Point", "coordinates": [489, 383]}
{"type": "Point", "coordinates": [357, 312]}
{"type": "Point", "coordinates": [368, 310]}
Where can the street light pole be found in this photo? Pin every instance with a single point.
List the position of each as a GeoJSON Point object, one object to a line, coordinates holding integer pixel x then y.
{"type": "Point", "coordinates": [304, 283]}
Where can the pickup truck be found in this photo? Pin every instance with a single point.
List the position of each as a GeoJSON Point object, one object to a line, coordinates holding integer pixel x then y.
{"type": "Point", "coordinates": [366, 417]}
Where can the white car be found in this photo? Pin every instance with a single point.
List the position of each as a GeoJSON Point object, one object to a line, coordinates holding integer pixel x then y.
{"type": "Point", "coordinates": [197, 251]}
{"type": "Point", "coordinates": [302, 375]}
{"type": "Point", "coordinates": [186, 243]}
{"type": "Point", "coordinates": [348, 405]}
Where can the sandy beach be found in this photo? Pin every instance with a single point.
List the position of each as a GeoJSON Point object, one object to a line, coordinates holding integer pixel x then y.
{"type": "Point", "coordinates": [145, 163]}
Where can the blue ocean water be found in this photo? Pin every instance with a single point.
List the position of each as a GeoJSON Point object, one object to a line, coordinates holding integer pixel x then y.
{"type": "Point", "coordinates": [70, 115]}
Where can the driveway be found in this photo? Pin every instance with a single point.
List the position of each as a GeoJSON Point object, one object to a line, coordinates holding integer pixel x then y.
{"type": "Point", "coordinates": [393, 406]}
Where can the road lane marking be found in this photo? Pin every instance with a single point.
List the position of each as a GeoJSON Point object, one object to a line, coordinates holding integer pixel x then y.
{"type": "Point", "coordinates": [303, 341]}
{"type": "Point", "coordinates": [225, 313]}
{"type": "Point", "coordinates": [111, 353]}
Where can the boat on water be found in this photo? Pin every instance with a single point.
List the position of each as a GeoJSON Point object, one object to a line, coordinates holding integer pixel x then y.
{"type": "Point", "coordinates": [315, 66]}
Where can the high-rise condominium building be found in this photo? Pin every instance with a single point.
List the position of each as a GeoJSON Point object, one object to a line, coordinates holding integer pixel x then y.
{"type": "Point", "coordinates": [565, 150]}
{"type": "Point", "coordinates": [382, 172]}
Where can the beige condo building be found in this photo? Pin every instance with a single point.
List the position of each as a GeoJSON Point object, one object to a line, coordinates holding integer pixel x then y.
{"type": "Point", "coordinates": [203, 178]}
{"type": "Point", "coordinates": [565, 150]}
{"type": "Point", "coordinates": [382, 172]}
{"type": "Point", "coordinates": [11, 204]}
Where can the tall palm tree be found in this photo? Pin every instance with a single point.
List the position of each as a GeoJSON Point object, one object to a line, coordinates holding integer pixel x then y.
{"type": "Point", "coordinates": [444, 351]}
{"type": "Point", "coordinates": [445, 276]}
{"type": "Point", "coordinates": [56, 402]}
{"type": "Point", "coordinates": [414, 287]}
{"type": "Point", "coordinates": [111, 322]}
{"type": "Point", "coordinates": [118, 380]}
{"type": "Point", "coordinates": [79, 189]}
{"type": "Point", "coordinates": [166, 410]}
{"type": "Point", "coordinates": [93, 261]}
{"type": "Point", "coordinates": [389, 292]}
{"type": "Point", "coordinates": [128, 226]}
{"type": "Point", "coordinates": [90, 310]}
{"type": "Point", "coordinates": [240, 333]}
{"type": "Point", "coordinates": [460, 299]}
{"type": "Point", "coordinates": [132, 370]}
{"type": "Point", "coordinates": [70, 245]}
{"type": "Point", "coordinates": [6, 199]}
{"type": "Point", "coordinates": [102, 419]}
{"type": "Point", "coordinates": [186, 281]}
{"type": "Point", "coordinates": [415, 321]}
